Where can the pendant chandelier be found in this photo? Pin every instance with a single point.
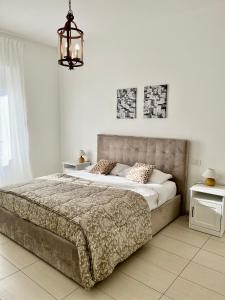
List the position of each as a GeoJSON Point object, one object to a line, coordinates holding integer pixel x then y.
{"type": "Point", "coordinates": [70, 43]}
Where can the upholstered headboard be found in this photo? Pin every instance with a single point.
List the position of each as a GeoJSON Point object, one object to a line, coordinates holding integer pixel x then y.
{"type": "Point", "coordinates": [169, 155]}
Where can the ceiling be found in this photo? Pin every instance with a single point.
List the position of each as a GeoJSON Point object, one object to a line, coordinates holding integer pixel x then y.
{"type": "Point", "coordinates": [38, 20]}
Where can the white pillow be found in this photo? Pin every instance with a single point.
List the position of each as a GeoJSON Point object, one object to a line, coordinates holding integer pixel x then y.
{"type": "Point", "coordinates": [125, 172]}
{"type": "Point", "coordinates": [159, 177]}
{"type": "Point", "coordinates": [88, 168]}
{"type": "Point", "coordinates": [119, 169]}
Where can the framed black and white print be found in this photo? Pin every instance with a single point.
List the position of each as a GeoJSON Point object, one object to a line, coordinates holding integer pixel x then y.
{"type": "Point", "coordinates": [155, 101]}
{"type": "Point", "coordinates": [126, 103]}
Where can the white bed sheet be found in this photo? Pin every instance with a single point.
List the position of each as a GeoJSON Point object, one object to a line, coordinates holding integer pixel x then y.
{"type": "Point", "coordinates": [155, 194]}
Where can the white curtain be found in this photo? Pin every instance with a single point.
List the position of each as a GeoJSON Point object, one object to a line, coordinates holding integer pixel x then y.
{"type": "Point", "coordinates": [14, 142]}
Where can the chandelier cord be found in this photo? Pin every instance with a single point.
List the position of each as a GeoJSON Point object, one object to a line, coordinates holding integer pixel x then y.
{"type": "Point", "coordinates": [70, 9]}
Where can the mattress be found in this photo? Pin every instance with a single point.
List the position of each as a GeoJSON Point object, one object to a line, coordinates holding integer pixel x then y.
{"type": "Point", "coordinates": [154, 194]}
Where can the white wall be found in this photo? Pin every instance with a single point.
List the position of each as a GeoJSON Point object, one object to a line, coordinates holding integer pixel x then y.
{"type": "Point", "coordinates": [41, 83]}
{"type": "Point", "coordinates": [151, 42]}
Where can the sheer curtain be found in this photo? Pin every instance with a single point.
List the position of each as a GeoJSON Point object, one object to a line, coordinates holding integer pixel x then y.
{"type": "Point", "coordinates": [14, 143]}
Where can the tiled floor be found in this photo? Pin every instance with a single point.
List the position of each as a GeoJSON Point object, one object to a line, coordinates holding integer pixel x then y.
{"type": "Point", "coordinates": [178, 263]}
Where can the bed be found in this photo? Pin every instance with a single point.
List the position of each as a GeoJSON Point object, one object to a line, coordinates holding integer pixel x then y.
{"type": "Point", "coordinates": [53, 239]}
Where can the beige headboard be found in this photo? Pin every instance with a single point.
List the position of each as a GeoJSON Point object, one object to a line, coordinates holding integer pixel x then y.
{"type": "Point", "coordinates": [169, 155]}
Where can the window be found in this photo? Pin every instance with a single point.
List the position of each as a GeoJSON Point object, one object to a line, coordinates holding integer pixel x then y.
{"type": "Point", "coordinates": [5, 138]}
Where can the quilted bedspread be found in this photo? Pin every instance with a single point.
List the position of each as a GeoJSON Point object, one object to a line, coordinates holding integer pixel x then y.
{"type": "Point", "coordinates": [106, 224]}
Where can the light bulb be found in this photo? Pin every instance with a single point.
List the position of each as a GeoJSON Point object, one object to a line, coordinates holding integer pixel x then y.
{"type": "Point", "coordinates": [77, 47]}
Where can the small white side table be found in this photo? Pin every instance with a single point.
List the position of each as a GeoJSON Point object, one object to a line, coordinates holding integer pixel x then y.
{"type": "Point", "coordinates": [207, 209]}
{"type": "Point", "coordinates": [72, 166]}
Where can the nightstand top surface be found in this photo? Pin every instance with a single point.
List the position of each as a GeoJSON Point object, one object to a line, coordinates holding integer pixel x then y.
{"type": "Point", "coordinates": [70, 163]}
{"type": "Point", "coordinates": [215, 190]}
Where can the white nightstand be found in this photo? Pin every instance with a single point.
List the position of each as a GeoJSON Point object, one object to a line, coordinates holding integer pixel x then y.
{"type": "Point", "coordinates": [71, 166]}
{"type": "Point", "coordinates": [207, 209]}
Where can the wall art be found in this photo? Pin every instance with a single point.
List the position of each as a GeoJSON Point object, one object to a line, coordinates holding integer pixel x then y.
{"type": "Point", "coordinates": [126, 103]}
{"type": "Point", "coordinates": [155, 101]}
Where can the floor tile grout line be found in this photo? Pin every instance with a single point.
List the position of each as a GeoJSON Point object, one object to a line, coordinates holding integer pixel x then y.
{"type": "Point", "coordinates": [167, 251]}
{"type": "Point", "coordinates": [197, 263]}
{"type": "Point", "coordinates": [69, 294]}
{"type": "Point", "coordinates": [46, 289]}
{"type": "Point", "coordinates": [185, 267]}
{"type": "Point", "coordinates": [174, 253]}
{"type": "Point", "coordinates": [78, 287]}
{"type": "Point", "coordinates": [170, 252]}
{"type": "Point", "coordinates": [23, 268]}
{"type": "Point", "coordinates": [193, 282]}
{"type": "Point", "coordinates": [176, 278]}
{"type": "Point", "coordinates": [181, 240]}
{"type": "Point", "coordinates": [163, 295]}
{"type": "Point", "coordinates": [64, 297]}
{"type": "Point", "coordinates": [17, 268]}
{"type": "Point", "coordinates": [110, 296]}
{"type": "Point", "coordinates": [9, 261]}
{"type": "Point", "coordinates": [160, 267]}
{"type": "Point", "coordinates": [213, 252]}
{"type": "Point", "coordinates": [38, 285]}
{"type": "Point", "coordinates": [180, 227]}
{"type": "Point", "coordinates": [140, 282]}
{"type": "Point", "coordinates": [6, 277]}
{"type": "Point", "coordinates": [218, 241]}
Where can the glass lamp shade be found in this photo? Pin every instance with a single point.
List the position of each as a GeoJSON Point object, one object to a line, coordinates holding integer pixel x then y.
{"type": "Point", "coordinates": [71, 40]}
{"type": "Point", "coordinates": [209, 173]}
{"type": "Point", "coordinates": [82, 152]}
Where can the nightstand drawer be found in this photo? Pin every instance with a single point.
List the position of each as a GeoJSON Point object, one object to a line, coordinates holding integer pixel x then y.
{"type": "Point", "coordinates": [206, 214]}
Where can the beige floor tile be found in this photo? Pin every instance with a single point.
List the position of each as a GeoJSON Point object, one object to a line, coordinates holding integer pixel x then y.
{"type": "Point", "coordinates": [191, 237]}
{"type": "Point", "coordinates": [93, 294]}
{"type": "Point", "coordinates": [215, 247]}
{"type": "Point", "coordinates": [205, 277]}
{"type": "Point", "coordinates": [17, 255]}
{"type": "Point", "coordinates": [182, 222]}
{"type": "Point", "coordinates": [6, 268]}
{"type": "Point", "coordinates": [123, 287]}
{"type": "Point", "coordinates": [186, 290]}
{"type": "Point", "coordinates": [164, 259]}
{"type": "Point", "coordinates": [173, 246]}
{"type": "Point", "coordinates": [165, 298]}
{"type": "Point", "coordinates": [20, 287]}
{"type": "Point", "coordinates": [3, 239]}
{"type": "Point", "coordinates": [50, 279]}
{"type": "Point", "coordinates": [211, 260]}
{"type": "Point", "coordinates": [218, 239]}
{"type": "Point", "coordinates": [147, 273]}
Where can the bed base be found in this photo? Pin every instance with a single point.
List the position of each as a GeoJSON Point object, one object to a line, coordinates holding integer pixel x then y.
{"type": "Point", "coordinates": [58, 252]}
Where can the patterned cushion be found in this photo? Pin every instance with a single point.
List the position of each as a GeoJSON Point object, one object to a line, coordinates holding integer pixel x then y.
{"type": "Point", "coordinates": [103, 167]}
{"type": "Point", "coordinates": [140, 172]}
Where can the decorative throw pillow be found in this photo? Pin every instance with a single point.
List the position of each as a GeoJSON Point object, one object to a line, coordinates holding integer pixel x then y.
{"type": "Point", "coordinates": [159, 177]}
{"type": "Point", "coordinates": [103, 167]}
{"type": "Point", "coordinates": [140, 172]}
{"type": "Point", "coordinates": [118, 169]}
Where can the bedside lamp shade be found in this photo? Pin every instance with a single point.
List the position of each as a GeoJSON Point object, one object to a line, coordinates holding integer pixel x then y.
{"type": "Point", "coordinates": [82, 152]}
{"type": "Point", "coordinates": [209, 175]}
